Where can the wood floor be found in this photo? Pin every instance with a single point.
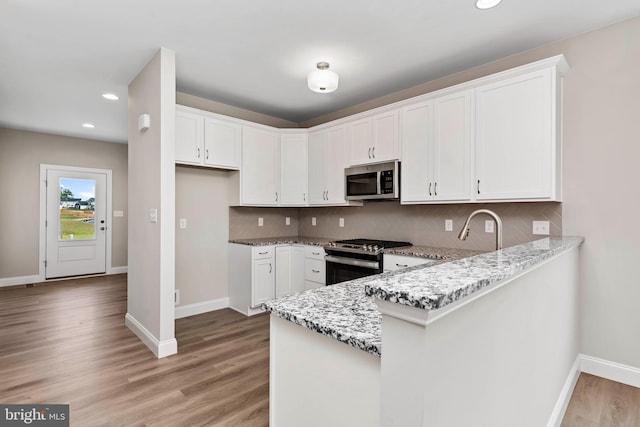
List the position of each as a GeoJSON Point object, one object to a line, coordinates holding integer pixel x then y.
{"type": "Point", "coordinates": [597, 402]}
{"type": "Point", "coordinates": [66, 343]}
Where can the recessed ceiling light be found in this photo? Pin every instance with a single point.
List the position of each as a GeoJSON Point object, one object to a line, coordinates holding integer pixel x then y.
{"type": "Point", "coordinates": [487, 4]}
{"type": "Point", "coordinates": [110, 96]}
{"type": "Point", "coordinates": [89, 125]}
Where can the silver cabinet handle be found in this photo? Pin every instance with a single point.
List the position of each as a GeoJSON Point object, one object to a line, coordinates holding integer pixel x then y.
{"type": "Point", "coordinates": [198, 152]}
{"type": "Point", "coordinates": [369, 153]}
{"type": "Point", "coordinates": [429, 188]}
{"type": "Point", "coordinates": [478, 187]}
{"type": "Point", "coordinates": [435, 189]}
{"type": "Point", "coordinates": [315, 271]}
{"type": "Point", "coordinates": [373, 152]}
{"type": "Point", "coordinates": [206, 154]}
{"type": "Point", "coordinates": [263, 253]}
{"type": "Point", "coordinates": [304, 197]}
{"type": "Point", "coordinates": [315, 253]}
{"type": "Point", "coordinates": [270, 268]}
{"type": "Point", "coordinates": [402, 265]}
{"type": "Point", "coordinates": [276, 196]}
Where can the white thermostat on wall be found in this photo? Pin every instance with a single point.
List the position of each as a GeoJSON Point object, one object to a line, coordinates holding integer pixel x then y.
{"type": "Point", "coordinates": [144, 121]}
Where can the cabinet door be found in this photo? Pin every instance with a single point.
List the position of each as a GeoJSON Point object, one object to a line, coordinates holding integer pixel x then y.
{"type": "Point", "coordinates": [385, 137]}
{"type": "Point", "coordinates": [260, 172]}
{"type": "Point", "coordinates": [417, 156]}
{"type": "Point", "coordinates": [336, 162]}
{"type": "Point", "coordinates": [297, 268]}
{"type": "Point", "coordinates": [360, 142]}
{"type": "Point", "coordinates": [293, 170]}
{"type": "Point", "coordinates": [222, 143]}
{"type": "Point", "coordinates": [452, 147]}
{"type": "Point", "coordinates": [189, 137]}
{"type": "Point", "coordinates": [514, 138]}
{"type": "Point", "coordinates": [283, 271]}
{"type": "Point", "coordinates": [263, 285]}
{"type": "Point", "coordinates": [318, 166]}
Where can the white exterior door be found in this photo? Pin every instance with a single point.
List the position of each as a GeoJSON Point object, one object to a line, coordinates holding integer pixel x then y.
{"type": "Point", "coordinates": [76, 215]}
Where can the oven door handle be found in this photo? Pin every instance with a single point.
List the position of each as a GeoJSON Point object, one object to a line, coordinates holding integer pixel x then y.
{"type": "Point", "coordinates": [379, 185]}
{"type": "Point", "coordinates": [373, 265]}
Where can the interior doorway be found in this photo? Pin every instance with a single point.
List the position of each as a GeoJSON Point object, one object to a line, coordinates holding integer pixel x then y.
{"type": "Point", "coordinates": [76, 233]}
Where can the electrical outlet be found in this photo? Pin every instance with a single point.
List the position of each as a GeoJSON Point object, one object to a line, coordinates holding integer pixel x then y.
{"type": "Point", "coordinates": [341, 222]}
{"type": "Point", "coordinates": [153, 215]}
{"type": "Point", "coordinates": [260, 222]}
{"type": "Point", "coordinates": [448, 225]}
{"type": "Point", "coordinates": [541, 227]}
{"type": "Point", "coordinates": [313, 221]}
{"type": "Point", "coordinates": [287, 220]}
{"type": "Point", "coordinates": [176, 297]}
{"type": "Point", "coordinates": [183, 222]}
{"type": "Point", "coordinates": [488, 226]}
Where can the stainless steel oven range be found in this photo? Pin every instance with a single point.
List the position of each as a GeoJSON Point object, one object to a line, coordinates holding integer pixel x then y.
{"type": "Point", "coordinates": [355, 258]}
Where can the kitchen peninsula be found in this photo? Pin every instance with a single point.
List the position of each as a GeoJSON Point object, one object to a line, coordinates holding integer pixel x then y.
{"type": "Point", "coordinates": [425, 343]}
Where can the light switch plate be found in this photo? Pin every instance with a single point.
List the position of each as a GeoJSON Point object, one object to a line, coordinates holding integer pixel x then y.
{"type": "Point", "coordinates": [260, 222]}
{"type": "Point", "coordinates": [153, 215]}
{"type": "Point", "coordinates": [313, 221]}
{"type": "Point", "coordinates": [341, 222]}
{"type": "Point", "coordinates": [287, 220]}
{"type": "Point", "coordinates": [489, 226]}
{"type": "Point", "coordinates": [183, 222]}
{"type": "Point", "coordinates": [448, 225]}
{"type": "Point", "coordinates": [118, 213]}
{"type": "Point", "coordinates": [541, 228]}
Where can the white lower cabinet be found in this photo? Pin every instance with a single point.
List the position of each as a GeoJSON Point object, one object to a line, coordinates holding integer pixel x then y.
{"type": "Point", "coordinates": [392, 262]}
{"type": "Point", "coordinates": [289, 269]}
{"type": "Point", "coordinates": [314, 267]}
{"type": "Point", "coordinates": [252, 273]}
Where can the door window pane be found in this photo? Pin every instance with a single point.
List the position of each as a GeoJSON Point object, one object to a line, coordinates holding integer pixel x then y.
{"type": "Point", "coordinates": [77, 209]}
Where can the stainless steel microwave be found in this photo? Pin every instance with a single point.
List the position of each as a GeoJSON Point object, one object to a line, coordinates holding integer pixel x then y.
{"type": "Point", "coordinates": [373, 182]}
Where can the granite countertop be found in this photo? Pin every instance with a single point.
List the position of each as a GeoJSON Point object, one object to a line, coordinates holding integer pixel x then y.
{"type": "Point", "coordinates": [430, 252]}
{"type": "Point", "coordinates": [347, 311]}
{"type": "Point", "coordinates": [288, 240]}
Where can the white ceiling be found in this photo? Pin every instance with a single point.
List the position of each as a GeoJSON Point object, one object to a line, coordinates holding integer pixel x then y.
{"type": "Point", "coordinates": [58, 57]}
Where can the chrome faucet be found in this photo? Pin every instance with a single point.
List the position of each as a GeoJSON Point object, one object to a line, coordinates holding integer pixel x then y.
{"type": "Point", "coordinates": [464, 233]}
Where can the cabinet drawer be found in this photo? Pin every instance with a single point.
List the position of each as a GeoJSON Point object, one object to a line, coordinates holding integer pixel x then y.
{"type": "Point", "coordinates": [260, 252]}
{"type": "Point", "coordinates": [398, 262]}
{"type": "Point", "coordinates": [315, 252]}
{"type": "Point", "coordinates": [314, 270]}
{"type": "Point", "coordinates": [311, 285]}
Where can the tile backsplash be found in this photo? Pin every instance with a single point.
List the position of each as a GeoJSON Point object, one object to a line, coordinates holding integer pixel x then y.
{"type": "Point", "coordinates": [419, 224]}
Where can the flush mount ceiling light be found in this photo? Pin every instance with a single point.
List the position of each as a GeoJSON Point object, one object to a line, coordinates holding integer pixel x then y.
{"type": "Point", "coordinates": [487, 4]}
{"type": "Point", "coordinates": [110, 96]}
{"type": "Point", "coordinates": [88, 125]}
{"type": "Point", "coordinates": [322, 80]}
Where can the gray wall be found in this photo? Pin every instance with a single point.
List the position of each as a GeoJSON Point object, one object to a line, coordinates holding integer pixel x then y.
{"type": "Point", "coordinates": [21, 153]}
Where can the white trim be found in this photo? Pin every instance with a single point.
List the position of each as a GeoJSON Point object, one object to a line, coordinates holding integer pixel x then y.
{"type": "Point", "coordinates": [159, 348]}
{"type": "Point", "coordinates": [200, 307]}
{"type": "Point", "coordinates": [19, 280]}
{"type": "Point", "coordinates": [43, 213]}
{"type": "Point", "coordinates": [119, 270]}
{"type": "Point", "coordinates": [610, 370]}
{"type": "Point", "coordinates": [565, 394]}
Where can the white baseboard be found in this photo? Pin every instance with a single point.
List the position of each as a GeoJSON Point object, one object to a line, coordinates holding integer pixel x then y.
{"type": "Point", "coordinates": [610, 370]}
{"type": "Point", "coordinates": [201, 307]}
{"type": "Point", "coordinates": [118, 270]}
{"type": "Point", "coordinates": [565, 394]}
{"type": "Point", "coordinates": [159, 348]}
{"type": "Point", "coordinates": [21, 280]}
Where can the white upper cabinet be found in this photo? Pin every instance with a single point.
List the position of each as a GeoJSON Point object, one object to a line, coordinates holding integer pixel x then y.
{"type": "Point", "coordinates": [436, 150]}
{"type": "Point", "coordinates": [204, 139]}
{"type": "Point", "coordinates": [189, 137]}
{"type": "Point", "coordinates": [327, 160]}
{"type": "Point", "coordinates": [517, 144]}
{"type": "Point", "coordinates": [222, 141]}
{"type": "Point", "coordinates": [260, 170]}
{"type": "Point", "coordinates": [293, 170]}
{"type": "Point", "coordinates": [374, 139]}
